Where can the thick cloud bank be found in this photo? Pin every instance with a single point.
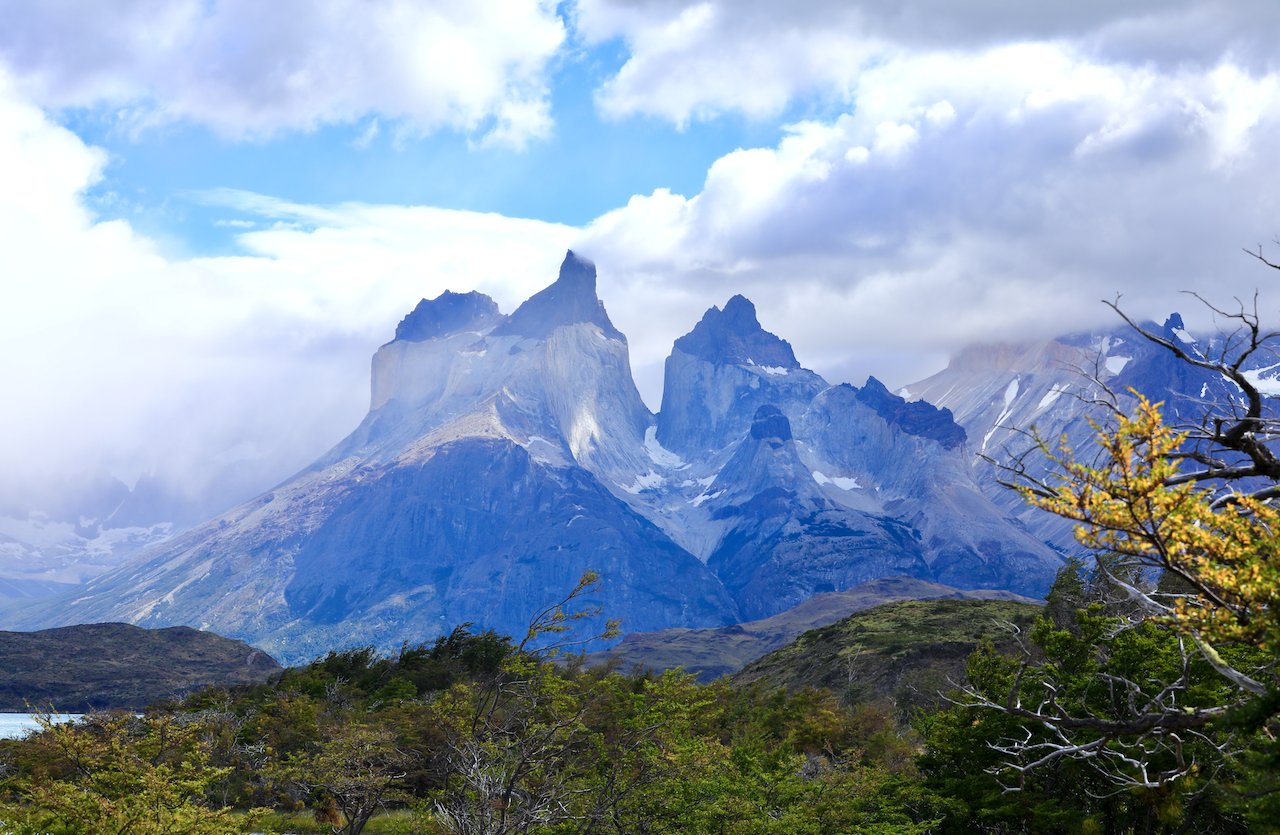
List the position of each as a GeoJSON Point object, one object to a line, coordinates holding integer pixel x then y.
{"type": "Point", "coordinates": [245, 67]}
{"type": "Point", "coordinates": [988, 173]}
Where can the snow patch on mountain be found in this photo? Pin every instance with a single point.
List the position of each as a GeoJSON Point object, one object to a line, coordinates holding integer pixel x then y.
{"type": "Point", "coordinates": [659, 454]}
{"type": "Point", "coordinates": [648, 481]}
{"type": "Point", "coordinates": [1116, 364]}
{"type": "Point", "coordinates": [1054, 392]}
{"type": "Point", "coordinates": [1267, 384]}
{"type": "Point", "coordinates": [697, 501]}
{"type": "Point", "coordinates": [1010, 395]}
{"type": "Point", "coordinates": [839, 481]}
{"type": "Point", "coordinates": [37, 530]}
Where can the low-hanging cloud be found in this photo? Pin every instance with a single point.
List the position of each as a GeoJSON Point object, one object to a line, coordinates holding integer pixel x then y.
{"type": "Point", "coordinates": [119, 358]}
{"type": "Point", "coordinates": [984, 182]}
{"type": "Point", "coordinates": [249, 68]}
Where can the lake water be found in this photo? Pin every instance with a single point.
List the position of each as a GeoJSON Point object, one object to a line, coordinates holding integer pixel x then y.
{"type": "Point", "coordinates": [13, 725]}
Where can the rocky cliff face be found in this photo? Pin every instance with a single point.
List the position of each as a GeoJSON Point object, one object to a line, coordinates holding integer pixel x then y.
{"type": "Point", "coordinates": [502, 456]}
{"type": "Point", "coordinates": [793, 486]}
{"type": "Point", "coordinates": [719, 373]}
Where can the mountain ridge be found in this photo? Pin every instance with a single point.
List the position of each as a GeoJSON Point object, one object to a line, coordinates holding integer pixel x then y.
{"type": "Point", "coordinates": [999, 391]}
{"type": "Point", "coordinates": [118, 666]}
{"type": "Point", "coordinates": [503, 456]}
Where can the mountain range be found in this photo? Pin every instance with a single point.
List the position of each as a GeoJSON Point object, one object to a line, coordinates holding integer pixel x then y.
{"type": "Point", "coordinates": [504, 455]}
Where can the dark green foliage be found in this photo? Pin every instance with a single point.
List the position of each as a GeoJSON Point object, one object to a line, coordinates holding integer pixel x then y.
{"type": "Point", "coordinates": [1104, 792]}
{"type": "Point", "coordinates": [361, 674]}
{"type": "Point", "coordinates": [578, 750]}
{"type": "Point", "coordinates": [1067, 594]}
{"type": "Point", "coordinates": [1259, 787]}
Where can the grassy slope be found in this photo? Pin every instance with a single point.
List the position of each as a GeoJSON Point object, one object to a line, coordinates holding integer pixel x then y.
{"type": "Point", "coordinates": [905, 653]}
{"type": "Point", "coordinates": [115, 665]}
{"type": "Point", "coordinates": [725, 650]}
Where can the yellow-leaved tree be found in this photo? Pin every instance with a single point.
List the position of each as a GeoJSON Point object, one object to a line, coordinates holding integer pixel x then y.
{"type": "Point", "coordinates": [1137, 508]}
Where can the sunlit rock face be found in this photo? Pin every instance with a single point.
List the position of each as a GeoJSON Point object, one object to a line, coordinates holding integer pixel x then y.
{"type": "Point", "coordinates": [720, 372]}
{"type": "Point", "coordinates": [414, 367]}
{"type": "Point", "coordinates": [503, 456]}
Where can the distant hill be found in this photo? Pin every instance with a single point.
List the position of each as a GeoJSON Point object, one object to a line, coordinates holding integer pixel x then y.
{"type": "Point", "coordinates": [907, 653]}
{"type": "Point", "coordinates": [115, 665]}
{"type": "Point", "coordinates": [715, 652]}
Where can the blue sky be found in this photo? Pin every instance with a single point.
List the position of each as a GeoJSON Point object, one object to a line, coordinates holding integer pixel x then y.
{"type": "Point", "coordinates": [215, 210]}
{"type": "Point", "coordinates": [585, 167]}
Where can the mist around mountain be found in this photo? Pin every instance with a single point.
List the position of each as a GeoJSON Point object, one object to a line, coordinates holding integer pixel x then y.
{"type": "Point", "coordinates": [999, 392]}
{"type": "Point", "coordinates": [67, 532]}
{"type": "Point", "coordinates": [505, 455]}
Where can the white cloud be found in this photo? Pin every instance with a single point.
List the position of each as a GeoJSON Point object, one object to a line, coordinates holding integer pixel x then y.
{"type": "Point", "coordinates": [249, 68]}
{"type": "Point", "coordinates": [118, 357]}
{"type": "Point", "coordinates": [697, 59]}
{"type": "Point", "coordinates": [969, 196]}
{"type": "Point", "coordinates": [707, 58]}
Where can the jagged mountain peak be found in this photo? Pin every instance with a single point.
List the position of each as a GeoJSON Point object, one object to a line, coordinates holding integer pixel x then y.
{"type": "Point", "coordinates": [570, 300]}
{"type": "Point", "coordinates": [720, 372]}
{"type": "Point", "coordinates": [915, 418]}
{"type": "Point", "coordinates": [1173, 329]}
{"type": "Point", "coordinates": [446, 313]}
{"type": "Point", "coordinates": [734, 336]}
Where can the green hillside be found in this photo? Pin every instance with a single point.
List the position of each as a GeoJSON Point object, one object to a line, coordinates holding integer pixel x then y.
{"type": "Point", "coordinates": [906, 653]}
